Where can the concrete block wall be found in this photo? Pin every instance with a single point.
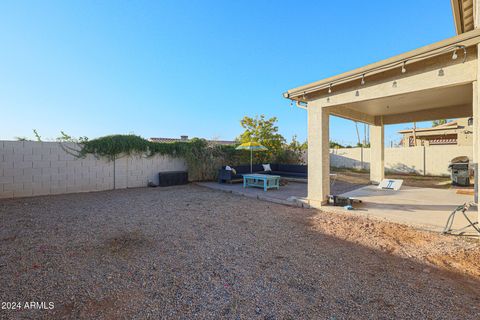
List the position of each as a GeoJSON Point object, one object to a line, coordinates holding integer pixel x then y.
{"type": "Point", "coordinates": [42, 168]}
{"type": "Point", "coordinates": [350, 158]}
{"type": "Point", "coordinates": [437, 158]}
{"type": "Point", "coordinates": [142, 169]}
{"type": "Point", "coordinates": [407, 160]}
{"type": "Point", "coordinates": [431, 160]}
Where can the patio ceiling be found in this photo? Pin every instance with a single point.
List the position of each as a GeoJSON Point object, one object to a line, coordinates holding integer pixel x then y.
{"type": "Point", "coordinates": [432, 104]}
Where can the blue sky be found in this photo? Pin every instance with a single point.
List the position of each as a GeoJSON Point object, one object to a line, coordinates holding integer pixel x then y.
{"type": "Point", "coordinates": [167, 68]}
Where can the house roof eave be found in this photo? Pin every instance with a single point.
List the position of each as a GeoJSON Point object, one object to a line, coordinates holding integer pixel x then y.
{"type": "Point", "coordinates": [466, 39]}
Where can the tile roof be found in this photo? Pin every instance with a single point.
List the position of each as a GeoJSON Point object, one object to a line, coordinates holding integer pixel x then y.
{"type": "Point", "coordinates": [186, 139]}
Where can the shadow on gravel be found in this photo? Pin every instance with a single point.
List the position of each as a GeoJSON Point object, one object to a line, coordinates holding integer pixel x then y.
{"type": "Point", "coordinates": [126, 243]}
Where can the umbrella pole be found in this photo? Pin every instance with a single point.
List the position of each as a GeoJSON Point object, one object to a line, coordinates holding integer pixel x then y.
{"type": "Point", "coordinates": [251, 160]}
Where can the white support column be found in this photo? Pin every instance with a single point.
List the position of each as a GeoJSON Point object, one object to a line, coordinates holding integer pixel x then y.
{"type": "Point", "coordinates": [318, 155]}
{"type": "Point", "coordinates": [377, 153]}
{"type": "Point", "coordinates": [476, 149]}
{"type": "Point", "coordinates": [476, 107]}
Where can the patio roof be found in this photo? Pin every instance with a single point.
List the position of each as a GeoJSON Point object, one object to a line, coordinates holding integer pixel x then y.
{"type": "Point", "coordinates": [310, 91]}
{"type": "Point", "coordinates": [463, 18]}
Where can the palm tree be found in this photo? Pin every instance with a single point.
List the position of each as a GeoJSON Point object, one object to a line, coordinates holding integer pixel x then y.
{"type": "Point", "coordinates": [359, 143]}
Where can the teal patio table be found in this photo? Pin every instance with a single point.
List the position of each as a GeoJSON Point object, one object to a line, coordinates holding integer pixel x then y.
{"type": "Point", "coordinates": [264, 181]}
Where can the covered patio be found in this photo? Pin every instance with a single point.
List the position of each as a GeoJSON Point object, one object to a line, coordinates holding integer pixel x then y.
{"type": "Point", "coordinates": [438, 81]}
{"type": "Point", "coordinates": [424, 208]}
{"type": "Point", "coordinates": [291, 192]}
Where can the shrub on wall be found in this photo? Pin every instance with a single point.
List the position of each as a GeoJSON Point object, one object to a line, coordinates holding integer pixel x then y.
{"type": "Point", "coordinates": [203, 158]}
{"type": "Point", "coordinates": [115, 146]}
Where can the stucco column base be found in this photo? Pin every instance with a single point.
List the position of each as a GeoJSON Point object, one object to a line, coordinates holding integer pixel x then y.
{"type": "Point", "coordinates": [317, 204]}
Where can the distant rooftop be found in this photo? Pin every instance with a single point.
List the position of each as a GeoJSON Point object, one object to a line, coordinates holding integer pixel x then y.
{"type": "Point", "coordinates": [451, 125]}
{"type": "Point", "coordinates": [186, 139]}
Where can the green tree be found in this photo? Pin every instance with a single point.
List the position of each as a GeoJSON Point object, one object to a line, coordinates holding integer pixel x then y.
{"type": "Point", "coordinates": [292, 153]}
{"type": "Point", "coordinates": [263, 131]}
{"type": "Point", "coordinates": [296, 145]}
{"type": "Point", "coordinates": [436, 123]}
{"type": "Point", "coordinates": [335, 145]}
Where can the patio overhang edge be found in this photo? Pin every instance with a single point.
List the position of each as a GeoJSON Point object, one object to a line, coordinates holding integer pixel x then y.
{"type": "Point", "coordinates": [466, 39]}
{"type": "Point", "coordinates": [463, 15]}
{"type": "Point", "coordinates": [457, 16]}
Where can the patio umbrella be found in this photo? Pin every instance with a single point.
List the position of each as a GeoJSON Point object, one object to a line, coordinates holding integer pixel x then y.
{"type": "Point", "coordinates": [252, 146]}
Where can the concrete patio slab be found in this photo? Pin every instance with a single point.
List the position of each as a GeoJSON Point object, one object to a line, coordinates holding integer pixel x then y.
{"type": "Point", "coordinates": [422, 208]}
{"type": "Point", "coordinates": [288, 194]}
{"type": "Point", "coordinates": [285, 195]}
{"type": "Point", "coordinates": [426, 208]}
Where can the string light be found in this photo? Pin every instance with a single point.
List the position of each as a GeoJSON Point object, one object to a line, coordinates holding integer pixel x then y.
{"type": "Point", "coordinates": [454, 55]}
{"type": "Point", "coordinates": [441, 72]}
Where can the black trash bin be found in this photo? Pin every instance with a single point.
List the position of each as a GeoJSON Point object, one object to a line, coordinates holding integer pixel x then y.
{"type": "Point", "coordinates": [460, 172]}
{"type": "Point", "coordinates": [172, 178]}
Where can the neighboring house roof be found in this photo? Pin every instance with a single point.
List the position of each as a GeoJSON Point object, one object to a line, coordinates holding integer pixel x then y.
{"type": "Point", "coordinates": [186, 139]}
{"type": "Point", "coordinates": [463, 15]}
{"type": "Point", "coordinates": [452, 125]}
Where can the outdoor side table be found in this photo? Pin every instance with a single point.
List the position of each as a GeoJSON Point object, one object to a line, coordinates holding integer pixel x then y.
{"type": "Point", "coordinates": [264, 181]}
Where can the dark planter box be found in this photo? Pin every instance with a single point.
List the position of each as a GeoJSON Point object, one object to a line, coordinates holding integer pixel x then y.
{"type": "Point", "coordinates": [172, 178]}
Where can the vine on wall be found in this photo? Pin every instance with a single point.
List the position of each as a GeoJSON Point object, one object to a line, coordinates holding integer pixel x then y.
{"type": "Point", "coordinates": [203, 158]}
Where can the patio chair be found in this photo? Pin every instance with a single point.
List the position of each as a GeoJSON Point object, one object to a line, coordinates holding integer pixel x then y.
{"type": "Point", "coordinates": [463, 208]}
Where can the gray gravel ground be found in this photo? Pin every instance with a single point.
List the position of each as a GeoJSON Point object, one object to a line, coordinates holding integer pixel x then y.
{"type": "Point", "coordinates": [190, 252]}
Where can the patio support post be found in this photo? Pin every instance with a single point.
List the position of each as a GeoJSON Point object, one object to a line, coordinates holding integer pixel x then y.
{"type": "Point", "coordinates": [377, 153]}
{"type": "Point", "coordinates": [476, 149]}
{"type": "Point", "coordinates": [476, 110]}
{"type": "Point", "coordinates": [318, 155]}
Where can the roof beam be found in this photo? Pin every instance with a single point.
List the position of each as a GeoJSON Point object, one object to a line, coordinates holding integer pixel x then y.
{"type": "Point", "coordinates": [351, 114]}
{"type": "Point", "coordinates": [414, 81]}
{"type": "Point", "coordinates": [461, 111]}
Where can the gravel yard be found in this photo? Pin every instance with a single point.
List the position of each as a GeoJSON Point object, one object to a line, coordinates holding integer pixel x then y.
{"type": "Point", "coordinates": [188, 251]}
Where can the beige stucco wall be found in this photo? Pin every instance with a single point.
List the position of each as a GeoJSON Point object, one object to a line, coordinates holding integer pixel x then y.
{"type": "Point", "coordinates": [44, 168]}
{"type": "Point", "coordinates": [431, 160]}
